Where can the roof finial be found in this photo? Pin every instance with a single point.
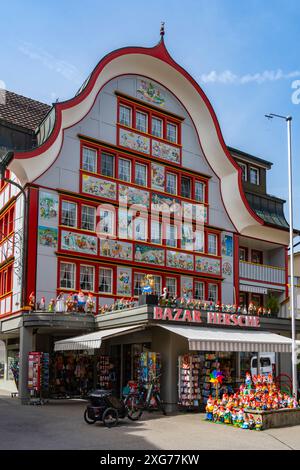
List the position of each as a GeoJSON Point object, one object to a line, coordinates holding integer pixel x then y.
{"type": "Point", "coordinates": [162, 29]}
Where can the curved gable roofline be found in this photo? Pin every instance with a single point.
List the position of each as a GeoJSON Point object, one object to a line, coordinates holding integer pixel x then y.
{"type": "Point", "coordinates": [157, 63]}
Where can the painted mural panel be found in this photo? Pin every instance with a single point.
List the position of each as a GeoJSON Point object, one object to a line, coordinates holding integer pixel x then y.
{"type": "Point", "coordinates": [178, 260]}
{"type": "Point", "coordinates": [162, 203]}
{"type": "Point", "coordinates": [208, 265]}
{"type": "Point", "coordinates": [150, 92]}
{"type": "Point", "coordinates": [227, 245]}
{"type": "Point", "coordinates": [116, 249]}
{"type": "Point", "coordinates": [165, 151]}
{"type": "Point", "coordinates": [124, 281]}
{"type": "Point", "coordinates": [47, 236]}
{"type": "Point", "coordinates": [48, 207]}
{"type": "Point", "coordinates": [134, 141]}
{"type": "Point", "coordinates": [130, 195]}
{"type": "Point", "coordinates": [99, 187]}
{"type": "Point", "coordinates": [157, 176]}
{"type": "Point", "coordinates": [79, 242]}
{"type": "Point", "coordinates": [186, 286]}
{"type": "Point", "coordinates": [149, 254]}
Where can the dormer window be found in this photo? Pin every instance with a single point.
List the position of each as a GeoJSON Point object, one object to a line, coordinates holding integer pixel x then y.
{"type": "Point", "coordinates": [254, 176]}
{"type": "Point", "coordinates": [244, 171]}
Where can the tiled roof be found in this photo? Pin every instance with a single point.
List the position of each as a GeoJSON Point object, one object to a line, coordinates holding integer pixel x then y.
{"type": "Point", "coordinates": [21, 111]}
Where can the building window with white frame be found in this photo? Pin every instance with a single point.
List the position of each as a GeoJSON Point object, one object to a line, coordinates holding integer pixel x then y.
{"type": "Point", "coordinates": [105, 281]}
{"type": "Point", "coordinates": [141, 121]}
{"type": "Point", "coordinates": [212, 248]}
{"type": "Point", "coordinates": [187, 237]}
{"type": "Point", "coordinates": [125, 115]}
{"type": "Point", "coordinates": [254, 175]}
{"type": "Point", "coordinates": [212, 292]}
{"type": "Point", "coordinates": [155, 232]}
{"type": "Point", "coordinates": [124, 169]}
{"type": "Point", "coordinates": [88, 215]}
{"type": "Point", "coordinates": [106, 224]}
{"type": "Point", "coordinates": [171, 183]}
{"type": "Point", "coordinates": [172, 132]}
{"type": "Point", "coordinates": [67, 275]}
{"type": "Point", "coordinates": [200, 191]}
{"type": "Point", "coordinates": [156, 127]}
{"type": "Point", "coordinates": [186, 186]}
{"type": "Point", "coordinates": [107, 165]}
{"type": "Point", "coordinates": [171, 285]}
{"type": "Point", "coordinates": [171, 235]}
{"type": "Point", "coordinates": [157, 285]}
{"type": "Point", "coordinates": [87, 277]}
{"type": "Point", "coordinates": [140, 229]}
{"type": "Point", "coordinates": [137, 288]}
{"type": "Point", "coordinates": [243, 167]}
{"type": "Point", "coordinates": [199, 290]}
{"type": "Point", "coordinates": [68, 213]}
{"type": "Point", "coordinates": [140, 174]}
{"type": "Point", "coordinates": [89, 159]}
{"type": "Point", "coordinates": [199, 241]}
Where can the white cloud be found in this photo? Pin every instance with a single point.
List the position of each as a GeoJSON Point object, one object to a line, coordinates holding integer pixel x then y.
{"type": "Point", "coordinates": [228, 77]}
{"type": "Point", "coordinates": [67, 70]}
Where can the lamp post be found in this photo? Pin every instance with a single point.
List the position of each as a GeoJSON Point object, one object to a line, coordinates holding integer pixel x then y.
{"type": "Point", "coordinates": [288, 120]}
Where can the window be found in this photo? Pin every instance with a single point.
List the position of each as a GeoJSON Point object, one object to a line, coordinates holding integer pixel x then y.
{"type": "Point", "coordinates": [124, 169]}
{"type": "Point", "coordinates": [68, 213]}
{"type": "Point", "coordinates": [212, 244]}
{"type": "Point", "coordinates": [257, 300]}
{"type": "Point", "coordinates": [254, 175]}
{"type": "Point", "coordinates": [171, 184]}
{"type": "Point", "coordinates": [199, 191]}
{"type": "Point", "coordinates": [155, 232]}
{"type": "Point", "coordinates": [185, 187]}
{"type": "Point", "coordinates": [138, 278]}
{"type": "Point", "coordinates": [157, 285]}
{"type": "Point", "coordinates": [141, 121]}
{"type": "Point", "coordinates": [243, 298]}
{"type": "Point", "coordinates": [187, 237]}
{"type": "Point", "coordinates": [256, 256]}
{"type": "Point", "coordinates": [171, 235]}
{"type": "Point", "coordinates": [244, 171]}
{"type": "Point", "coordinates": [106, 222]}
{"type": "Point", "coordinates": [212, 292]}
{"type": "Point", "coordinates": [125, 115]}
{"type": "Point", "coordinates": [105, 281]}
{"type": "Point", "coordinates": [67, 275]}
{"type": "Point", "coordinates": [199, 241]}
{"type": "Point", "coordinates": [89, 159]}
{"type": "Point", "coordinates": [107, 165]}
{"type": "Point", "coordinates": [171, 132]}
{"type": "Point", "coordinates": [171, 285]}
{"type": "Point", "coordinates": [199, 290]}
{"type": "Point", "coordinates": [140, 229]}
{"type": "Point", "coordinates": [140, 174]}
{"type": "Point", "coordinates": [88, 218]}
{"type": "Point", "coordinates": [243, 253]}
{"type": "Point", "coordinates": [87, 278]}
{"type": "Point", "coordinates": [156, 127]}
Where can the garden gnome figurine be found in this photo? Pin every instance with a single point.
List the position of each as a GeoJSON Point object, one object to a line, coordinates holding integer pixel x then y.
{"type": "Point", "coordinates": [51, 305]}
{"type": "Point", "coordinates": [81, 301]}
{"type": "Point", "coordinates": [32, 301]}
{"type": "Point", "coordinates": [90, 304]}
{"type": "Point", "coordinates": [43, 304]}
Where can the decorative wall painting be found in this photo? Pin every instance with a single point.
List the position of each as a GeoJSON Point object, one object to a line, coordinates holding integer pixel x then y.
{"type": "Point", "coordinates": [165, 151]}
{"type": "Point", "coordinates": [48, 206]}
{"type": "Point", "coordinates": [134, 141]}
{"type": "Point", "coordinates": [129, 195]}
{"type": "Point", "coordinates": [116, 249]}
{"type": "Point", "coordinates": [208, 265]}
{"type": "Point", "coordinates": [47, 236]}
{"type": "Point", "coordinates": [149, 254]}
{"type": "Point", "coordinates": [161, 203]}
{"type": "Point", "coordinates": [79, 242]}
{"type": "Point", "coordinates": [157, 176]}
{"type": "Point", "coordinates": [186, 286]}
{"type": "Point", "coordinates": [178, 260]}
{"type": "Point", "coordinates": [124, 281]}
{"type": "Point", "coordinates": [227, 245]}
{"type": "Point", "coordinates": [227, 269]}
{"type": "Point", "coordinates": [150, 92]}
{"type": "Point", "coordinates": [99, 187]}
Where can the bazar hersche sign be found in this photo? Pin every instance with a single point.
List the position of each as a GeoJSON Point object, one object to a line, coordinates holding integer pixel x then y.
{"type": "Point", "coordinates": [208, 317]}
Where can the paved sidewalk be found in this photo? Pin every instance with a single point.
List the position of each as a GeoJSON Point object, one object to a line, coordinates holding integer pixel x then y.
{"type": "Point", "coordinates": [60, 425]}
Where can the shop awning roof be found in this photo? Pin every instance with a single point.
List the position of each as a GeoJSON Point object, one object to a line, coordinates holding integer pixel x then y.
{"type": "Point", "coordinates": [92, 340]}
{"type": "Point", "coordinates": [213, 339]}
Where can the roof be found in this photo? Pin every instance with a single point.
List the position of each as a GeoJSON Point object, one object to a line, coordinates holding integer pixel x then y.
{"type": "Point", "coordinates": [269, 208]}
{"type": "Point", "coordinates": [21, 111]}
{"type": "Point", "coordinates": [248, 156]}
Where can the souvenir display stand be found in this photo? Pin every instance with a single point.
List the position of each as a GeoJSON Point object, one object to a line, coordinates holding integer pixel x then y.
{"type": "Point", "coordinates": [210, 363]}
{"type": "Point", "coordinates": [38, 376]}
{"type": "Point", "coordinates": [149, 367]}
{"type": "Point", "coordinates": [189, 370]}
{"type": "Point", "coordinates": [71, 374]}
{"type": "Point", "coordinates": [103, 372]}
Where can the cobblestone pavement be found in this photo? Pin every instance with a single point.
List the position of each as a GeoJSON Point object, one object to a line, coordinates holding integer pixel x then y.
{"type": "Point", "coordinates": [60, 425]}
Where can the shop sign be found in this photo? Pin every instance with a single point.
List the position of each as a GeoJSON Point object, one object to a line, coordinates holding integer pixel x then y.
{"type": "Point", "coordinates": [207, 317]}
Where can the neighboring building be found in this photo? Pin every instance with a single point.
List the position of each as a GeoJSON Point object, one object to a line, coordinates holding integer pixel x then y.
{"type": "Point", "coordinates": [140, 130]}
{"type": "Point", "coordinates": [285, 305]}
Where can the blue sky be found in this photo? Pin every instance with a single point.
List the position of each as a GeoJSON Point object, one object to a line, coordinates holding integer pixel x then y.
{"type": "Point", "coordinates": [244, 54]}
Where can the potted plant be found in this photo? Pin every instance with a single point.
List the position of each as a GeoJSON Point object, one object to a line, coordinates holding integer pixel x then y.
{"type": "Point", "coordinates": [272, 304]}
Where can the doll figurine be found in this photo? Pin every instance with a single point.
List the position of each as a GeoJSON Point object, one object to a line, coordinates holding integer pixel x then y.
{"type": "Point", "coordinates": [258, 423]}
{"type": "Point", "coordinates": [215, 413]}
{"type": "Point", "coordinates": [251, 308]}
{"type": "Point", "coordinates": [81, 301]}
{"type": "Point", "coordinates": [164, 296]}
{"type": "Point", "coordinates": [90, 304]}
{"type": "Point", "coordinates": [32, 301]}
{"type": "Point", "coordinates": [248, 380]}
{"type": "Point", "coordinates": [234, 418]}
{"type": "Point", "coordinates": [43, 304]}
{"type": "Point", "coordinates": [60, 303]}
{"type": "Point", "coordinates": [70, 303]}
{"type": "Point", "coordinates": [209, 409]}
{"type": "Point", "coordinates": [51, 305]}
{"type": "Point", "coordinates": [240, 417]}
{"type": "Point", "coordinates": [245, 424]}
{"type": "Point", "coordinates": [227, 416]}
{"type": "Point", "coordinates": [251, 422]}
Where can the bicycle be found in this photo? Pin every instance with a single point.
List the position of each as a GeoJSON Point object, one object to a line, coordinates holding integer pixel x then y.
{"type": "Point", "coordinates": [144, 400]}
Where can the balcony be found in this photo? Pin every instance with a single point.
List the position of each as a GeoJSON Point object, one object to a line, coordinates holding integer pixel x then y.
{"type": "Point", "coordinates": [262, 273]}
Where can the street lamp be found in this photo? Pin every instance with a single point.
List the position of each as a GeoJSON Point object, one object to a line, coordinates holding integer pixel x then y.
{"type": "Point", "coordinates": [288, 120]}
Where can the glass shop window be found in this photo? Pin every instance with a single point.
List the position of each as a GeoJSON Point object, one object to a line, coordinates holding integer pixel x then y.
{"type": "Point", "coordinates": [105, 281]}
{"type": "Point", "coordinates": [157, 127]}
{"type": "Point", "coordinates": [69, 210]}
{"type": "Point", "coordinates": [172, 132]}
{"type": "Point", "coordinates": [124, 170]}
{"type": "Point", "coordinates": [199, 290]}
{"type": "Point", "coordinates": [140, 174]}
{"type": "Point", "coordinates": [88, 214]}
{"type": "Point", "coordinates": [125, 115]}
{"type": "Point", "coordinates": [107, 165]}
{"type": "Point", "coordinates": [89, 159]}
{"type": "Point", "coordinates": [212, 292]}
{"type": "Point", "coordinates": [67, 275]}
{"type": "Point", "coordinates": [171, 183]}
{"type": "Point", "coordinates": [87, 278]}
{"type": "Point", "coordinates": [186, 186]}
{"type": "Point", "coordinates": [141, 121]}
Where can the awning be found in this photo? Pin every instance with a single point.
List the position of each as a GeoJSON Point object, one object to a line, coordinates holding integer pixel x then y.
{"type": "Point", "coordinates": [92, 340]}
{"type": "Point", "coordinates": [253, 289]}
{"type": "Point", "coordinates": [213, 339]}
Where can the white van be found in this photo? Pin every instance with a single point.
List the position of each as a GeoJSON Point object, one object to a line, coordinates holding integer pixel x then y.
{"type": "Point", "coordinates": [267, 364]}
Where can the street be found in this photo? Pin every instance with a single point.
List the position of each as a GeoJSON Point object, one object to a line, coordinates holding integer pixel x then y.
{"type": "Point", "coordinates": [60, 425]}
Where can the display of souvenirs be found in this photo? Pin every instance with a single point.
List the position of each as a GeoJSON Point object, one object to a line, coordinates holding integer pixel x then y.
{"type": "Point", "coordinates": [38, 372]}
{"type": "Point", "coordinates": [149, 367]}
{"type": "Point", "coordinates": [71, 374]}
{"type": "Point", "coordinates": [189, 371]}
{"type": "Point", "coordinates": [103, 371]}
{"type": "Point", "coordinates": [259, 393]}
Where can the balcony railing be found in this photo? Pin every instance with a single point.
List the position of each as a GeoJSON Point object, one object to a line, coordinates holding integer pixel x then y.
{"type": "Point", "coordinates": [262, 273]}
